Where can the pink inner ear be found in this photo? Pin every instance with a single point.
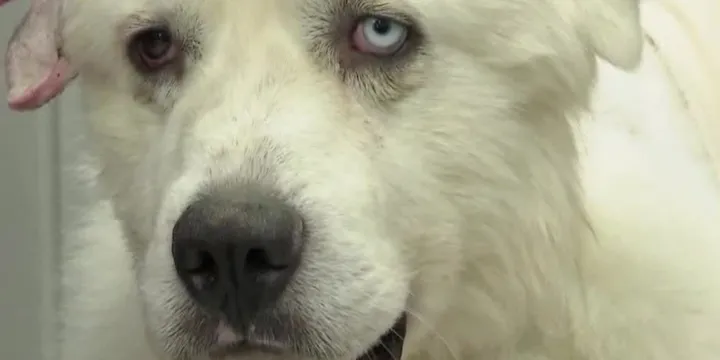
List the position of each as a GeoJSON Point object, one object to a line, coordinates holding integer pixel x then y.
{"type": "Point", "coordinates": [35, 71]}
{"type": "Point", "coordinates": [45, 90]}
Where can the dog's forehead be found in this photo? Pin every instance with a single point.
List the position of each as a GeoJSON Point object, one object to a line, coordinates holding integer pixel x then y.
{"type": "Point", "coordinates": [222, 11]}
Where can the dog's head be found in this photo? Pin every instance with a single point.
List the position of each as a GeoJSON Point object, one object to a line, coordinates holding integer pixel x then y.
{"type": "Point", "coordinates": [302, 177]}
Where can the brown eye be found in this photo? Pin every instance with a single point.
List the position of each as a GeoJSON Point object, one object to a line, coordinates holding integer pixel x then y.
{"type": "Point", "coordinates": [152, 49]}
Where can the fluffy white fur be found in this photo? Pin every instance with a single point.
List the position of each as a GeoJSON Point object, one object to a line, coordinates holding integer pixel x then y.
{"type": "Point", "coordinates": [541, 191]}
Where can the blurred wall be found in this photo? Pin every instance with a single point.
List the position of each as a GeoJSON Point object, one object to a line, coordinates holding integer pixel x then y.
{"type": "Point", "coordinates": [37, 196]}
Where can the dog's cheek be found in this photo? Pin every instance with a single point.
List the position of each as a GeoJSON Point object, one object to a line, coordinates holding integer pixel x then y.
{"type": "Point", "coordinates": [35, 71]}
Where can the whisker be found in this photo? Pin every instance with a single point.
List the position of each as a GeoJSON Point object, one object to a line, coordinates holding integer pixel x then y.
{"type": "Point", "coordinates": [434, 331]}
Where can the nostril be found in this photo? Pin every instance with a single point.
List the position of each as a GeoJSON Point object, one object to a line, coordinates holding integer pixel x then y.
{"type": "Point", "coordinates": [258, 261]}
{"type": "Point", "coordinates": [200, 267]}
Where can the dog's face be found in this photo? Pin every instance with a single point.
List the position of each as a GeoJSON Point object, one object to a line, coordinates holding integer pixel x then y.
{"type": "Point", "coordinates": [301, 178]}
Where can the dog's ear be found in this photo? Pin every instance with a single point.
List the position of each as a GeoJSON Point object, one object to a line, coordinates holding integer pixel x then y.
{"type": "Point", "coordinates": [613, 30]}
{"type": "Point", "coordinates": [35, 70]}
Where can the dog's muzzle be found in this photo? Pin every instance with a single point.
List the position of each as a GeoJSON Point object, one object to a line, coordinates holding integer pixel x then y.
{"type": "Point", "coordinates": [235, 256]}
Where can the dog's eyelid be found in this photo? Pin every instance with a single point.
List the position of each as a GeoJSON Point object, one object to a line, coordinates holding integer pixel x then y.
{"type": "Point", "coordinates": [399, 16]}
{"type": "Point", "coordinates": [136, 24]}
{"type": "Point", "coordinates": [142, 21]}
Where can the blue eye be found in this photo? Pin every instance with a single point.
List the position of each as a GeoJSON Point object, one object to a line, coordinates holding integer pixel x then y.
{"type": "Point", "coordinates": [379, 36]}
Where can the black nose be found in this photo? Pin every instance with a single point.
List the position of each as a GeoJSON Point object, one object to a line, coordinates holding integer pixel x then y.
{"type": "Point", "coordinates": [237, 257]}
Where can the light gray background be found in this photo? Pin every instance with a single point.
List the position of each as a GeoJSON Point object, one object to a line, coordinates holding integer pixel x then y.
{"type": "Point", "coordinates": [37, 194]}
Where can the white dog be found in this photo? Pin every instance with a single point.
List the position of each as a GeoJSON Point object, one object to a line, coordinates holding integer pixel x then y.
{"type": "Point", "coordinates": [386, 179]}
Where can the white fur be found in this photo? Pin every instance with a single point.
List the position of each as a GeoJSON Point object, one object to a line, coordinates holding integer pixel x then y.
{"type": "Point", "coordinates": [518, 208]}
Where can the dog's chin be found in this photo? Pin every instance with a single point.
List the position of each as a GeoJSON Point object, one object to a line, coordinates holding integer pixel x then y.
{"type": "Point", "coordinates": [388, 347]}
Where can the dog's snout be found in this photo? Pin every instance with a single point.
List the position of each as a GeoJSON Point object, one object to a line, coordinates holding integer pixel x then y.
{"type": "Point", "coordinates": [236, 257]}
